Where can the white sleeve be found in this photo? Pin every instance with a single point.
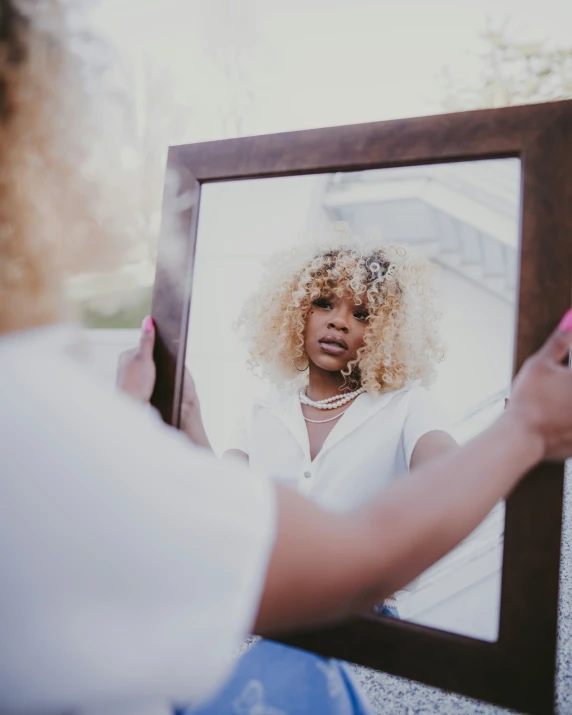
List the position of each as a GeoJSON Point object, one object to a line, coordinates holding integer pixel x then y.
{"type": "Point", "coordinates": [132, 562]}
{"type": "Point", "coordinates": [424, 414]}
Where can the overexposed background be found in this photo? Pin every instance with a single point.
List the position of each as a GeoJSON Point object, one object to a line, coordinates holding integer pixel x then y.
{"type": "Point", "coordinates": [200, 70]}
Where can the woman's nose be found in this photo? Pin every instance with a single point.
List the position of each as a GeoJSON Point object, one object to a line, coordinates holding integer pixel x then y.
{"type": "Point", "coordinates": [338, 322]}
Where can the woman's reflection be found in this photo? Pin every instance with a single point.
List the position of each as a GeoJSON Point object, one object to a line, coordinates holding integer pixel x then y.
{"type": "Point", "coordinates": [347, 336]}
{"type": "Point", "coordinates": [348, 339]}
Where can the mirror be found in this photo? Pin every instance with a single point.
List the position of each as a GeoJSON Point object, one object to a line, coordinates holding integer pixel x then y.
{"type": "Point", "coordinates": [463, 218]}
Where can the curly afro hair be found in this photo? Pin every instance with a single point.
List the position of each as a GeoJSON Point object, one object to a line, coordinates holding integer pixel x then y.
{"type": "Point", "coordinates": [402, 340]}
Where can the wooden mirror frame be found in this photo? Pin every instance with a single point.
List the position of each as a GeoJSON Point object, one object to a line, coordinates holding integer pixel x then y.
{"type": "Point", "coordinates": [518, 670]}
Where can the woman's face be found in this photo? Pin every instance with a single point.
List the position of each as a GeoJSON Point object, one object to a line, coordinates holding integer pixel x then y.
{"type": "Point", "coordinates": [335, 331]}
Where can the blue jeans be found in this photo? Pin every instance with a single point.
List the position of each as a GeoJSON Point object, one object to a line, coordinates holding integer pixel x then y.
{"type": "Point", "coordinates": [383, 610]}
{"type": "Point", "coordinates": [274, 679]}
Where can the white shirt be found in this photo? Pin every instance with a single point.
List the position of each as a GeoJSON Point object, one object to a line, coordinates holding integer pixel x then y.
{"type": "Point", "coordinates": [369, 446]}
{"type": "Point", "coordinates": [131, 563]}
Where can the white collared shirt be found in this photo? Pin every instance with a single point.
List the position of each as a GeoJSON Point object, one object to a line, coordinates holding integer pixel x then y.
{"type": "Point", "coordinates": [369, 446]}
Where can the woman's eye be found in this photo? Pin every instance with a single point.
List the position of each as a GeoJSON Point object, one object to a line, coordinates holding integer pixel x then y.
{"type": "Point", "coordinates": [322, 303]}
{"type": "Point", "coordinates": [361, 315]}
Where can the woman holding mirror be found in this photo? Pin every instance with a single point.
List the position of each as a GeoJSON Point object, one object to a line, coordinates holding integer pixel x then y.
{"type": "Point", "coordinates": [344, 328]}
{"type": "Point", "coordinates": [132, 563]}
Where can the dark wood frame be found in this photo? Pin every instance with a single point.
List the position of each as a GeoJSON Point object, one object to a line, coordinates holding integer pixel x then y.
{"type": "Point", "coordinates": [518, 670]}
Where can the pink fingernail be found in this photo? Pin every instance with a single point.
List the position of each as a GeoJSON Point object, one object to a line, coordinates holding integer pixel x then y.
{"type": "Point", "coordinates": [147, 324]}
{"type": "Point", "coordinates": [566, 322]}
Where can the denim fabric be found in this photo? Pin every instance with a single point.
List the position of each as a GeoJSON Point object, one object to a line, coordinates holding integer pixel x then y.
{"type": "Point", "coordinates": [383, 610]}
{"type": "Point", "coordinates": [274, 679]}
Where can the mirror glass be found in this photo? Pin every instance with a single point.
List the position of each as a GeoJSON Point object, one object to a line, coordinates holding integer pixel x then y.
{"type": "Point", "coordinates": [460, 217]}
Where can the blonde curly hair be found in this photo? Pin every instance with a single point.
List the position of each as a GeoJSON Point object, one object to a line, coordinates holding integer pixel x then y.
{"type": "Point", "coordinates": [66, 197]}
{"type": "Point", "coordinates": [401, 340]}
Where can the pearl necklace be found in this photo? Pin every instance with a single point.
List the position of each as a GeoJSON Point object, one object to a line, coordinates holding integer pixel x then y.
{"type": "Point", "coordinates": [330, 419]}
{"type": "Point", "coordinates": [330, 403]}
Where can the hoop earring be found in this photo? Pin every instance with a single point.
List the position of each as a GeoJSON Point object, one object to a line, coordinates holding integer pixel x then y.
{"type": "Point", "coordinates": [303, 369]}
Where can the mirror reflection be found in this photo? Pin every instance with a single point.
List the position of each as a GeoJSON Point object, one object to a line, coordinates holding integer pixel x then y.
{"type": "Point", "coordinates": [346, 327]}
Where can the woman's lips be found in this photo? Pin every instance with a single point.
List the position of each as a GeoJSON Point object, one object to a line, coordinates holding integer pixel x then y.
{"type": "Point", "coordinates": [332, 348]}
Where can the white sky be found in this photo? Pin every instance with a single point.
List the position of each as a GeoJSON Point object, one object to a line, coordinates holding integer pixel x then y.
{"type": "Point", "coordinates": [284, 65]}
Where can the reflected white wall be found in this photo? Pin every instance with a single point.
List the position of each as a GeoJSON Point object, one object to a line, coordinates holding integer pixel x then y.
{"type": "Point", "coordinates": [478, 330]}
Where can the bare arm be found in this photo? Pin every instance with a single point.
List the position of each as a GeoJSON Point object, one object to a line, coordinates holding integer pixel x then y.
{"type": "Point", "coordinates": [339, 568]}
{"type": "Point", "coordinates": [430, 446]}
{"type": "Point", "coordinates": [433, 444]}
{"type": "Point", "coordinates": [192, 420]}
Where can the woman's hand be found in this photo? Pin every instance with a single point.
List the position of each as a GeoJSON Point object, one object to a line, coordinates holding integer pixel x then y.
{"type": "Point", "coordinates": [136, 371]}
{"type": "Point", "coordinates": [136, 374]}
{"type": "Point", "coordinates": [542, 395]}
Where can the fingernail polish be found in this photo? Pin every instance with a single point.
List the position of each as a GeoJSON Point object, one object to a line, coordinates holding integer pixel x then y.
{"type": "Point", "coordinates": [147, 324]}
{"type": "Point", "coordinates": [566, 322]}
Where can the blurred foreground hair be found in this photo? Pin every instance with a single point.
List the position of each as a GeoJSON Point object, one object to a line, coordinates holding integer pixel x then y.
{"type": "Point", "coordinates": [66, 201]}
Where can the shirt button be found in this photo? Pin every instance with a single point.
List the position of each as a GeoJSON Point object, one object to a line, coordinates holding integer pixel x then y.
{"type": "Point", "coordinates": [307, 475]}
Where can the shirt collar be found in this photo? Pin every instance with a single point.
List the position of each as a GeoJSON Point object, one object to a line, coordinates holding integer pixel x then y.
{"type": "Point", "coordinates": [288, 410]}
